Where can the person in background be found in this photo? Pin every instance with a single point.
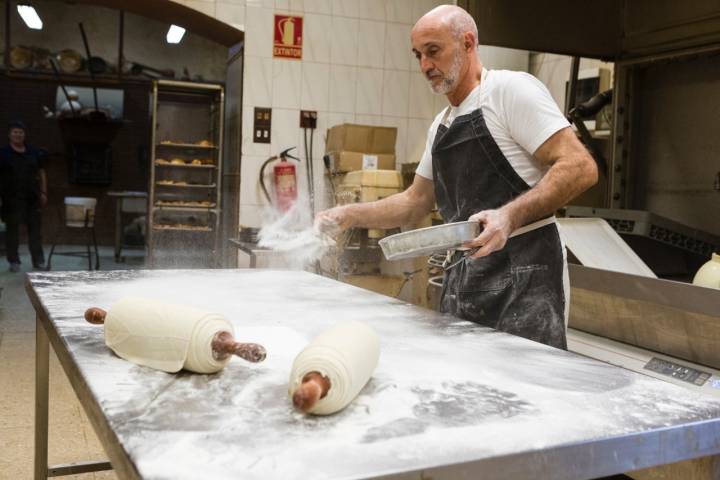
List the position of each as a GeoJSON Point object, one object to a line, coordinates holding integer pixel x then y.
{"type": "Point", "coordinates": [501, 154]}
{"type": "Point", "coordinates": [23, 190]}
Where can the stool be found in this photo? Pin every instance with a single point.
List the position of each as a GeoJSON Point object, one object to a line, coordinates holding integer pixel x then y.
{"type": "Point", "coordinates": [79, 213]}
{"type": "Point", "coordinates": [126, 202]}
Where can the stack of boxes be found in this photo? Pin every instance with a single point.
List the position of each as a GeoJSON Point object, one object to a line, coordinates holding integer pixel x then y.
{"type": "Point", "coordinates": [361, 147]}
{"type": "Point", "coordinates": [362, 160]}
{"type": "Point", "coordinates": [362, 163]}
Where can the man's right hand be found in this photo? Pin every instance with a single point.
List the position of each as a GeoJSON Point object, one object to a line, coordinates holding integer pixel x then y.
{"type": "Point", "coordinates": [335, 220]}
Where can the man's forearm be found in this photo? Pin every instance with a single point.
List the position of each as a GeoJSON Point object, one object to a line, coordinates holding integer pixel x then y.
{"type": "Point", "coordinates": [405, 208]}
{"type": "Point", "coordinates": [564, 181]}
{"type": "Point", "coordinates": [391, 212]}
{"type": "Point", "coordinates": [571, 171]}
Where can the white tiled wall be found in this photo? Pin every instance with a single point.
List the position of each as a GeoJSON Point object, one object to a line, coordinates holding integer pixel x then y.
{"type": "Point", "coordinates": [357, 67]}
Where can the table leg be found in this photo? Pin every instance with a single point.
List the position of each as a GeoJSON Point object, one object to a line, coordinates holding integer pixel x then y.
{"type": "Point", "coordinates": [118, 228]}
{"type": "Point", "coordinates": [42, 353]}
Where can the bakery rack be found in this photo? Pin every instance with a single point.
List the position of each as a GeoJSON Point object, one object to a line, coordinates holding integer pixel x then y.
{"type": "Point", "coordinates": [186, 169]}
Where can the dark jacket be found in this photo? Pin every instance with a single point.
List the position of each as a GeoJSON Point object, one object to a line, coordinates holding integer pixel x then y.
{"type": "Point", "coordinates": [20, 176]}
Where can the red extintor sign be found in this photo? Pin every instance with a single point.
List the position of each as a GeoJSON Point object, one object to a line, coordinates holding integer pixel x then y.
{"type": "Point", "coordinates": [288, 37]}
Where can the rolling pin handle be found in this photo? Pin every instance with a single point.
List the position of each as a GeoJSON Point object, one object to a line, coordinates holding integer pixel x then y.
{"type": "Point", "coordinates": [95, 315]}
{"type": "Point", "coordinates": [224, 344]}
{"type": "Point", "coordinates": [314, 387]}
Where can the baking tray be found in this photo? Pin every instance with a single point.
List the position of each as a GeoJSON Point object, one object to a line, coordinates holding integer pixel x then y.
{"type": "Point", "coordinates": [424, 241]}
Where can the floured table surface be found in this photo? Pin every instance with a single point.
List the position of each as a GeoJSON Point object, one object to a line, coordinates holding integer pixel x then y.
{"type": "Point", "coordinates": [448, 398]}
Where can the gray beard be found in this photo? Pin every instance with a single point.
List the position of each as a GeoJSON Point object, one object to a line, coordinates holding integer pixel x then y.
{"type": "Point", "coordinates": [449, 81]}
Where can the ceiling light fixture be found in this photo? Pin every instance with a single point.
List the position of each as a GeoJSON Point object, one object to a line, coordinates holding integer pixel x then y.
{"type": "Point", "coordinates": [174, 34]}
{"type": "Point", "coordinates": [30, 17]}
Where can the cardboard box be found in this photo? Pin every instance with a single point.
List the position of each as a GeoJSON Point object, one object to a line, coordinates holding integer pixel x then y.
{"type": "Point", "coordinates": [368, 186]}
{"type": "Point", "coordinates": [361, 138]}
{"type": "Point", "coordinates": [375, 178]}
{"type": "Point", "coordinates": [348, 161]}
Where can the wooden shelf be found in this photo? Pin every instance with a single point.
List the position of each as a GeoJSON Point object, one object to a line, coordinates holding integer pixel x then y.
{"type": "Point", "coordinates": [187, 146]}
{"type": "Point", "coordinates": [187, 165]}
{"type": "Point", "coordinates": [172, 228]}
{"type": "Point", "coordinates": [174, 185]}
{"type": "Point", "coordinates": [184, 206]}
{"type": "Point", "coordinates": [76, 78]}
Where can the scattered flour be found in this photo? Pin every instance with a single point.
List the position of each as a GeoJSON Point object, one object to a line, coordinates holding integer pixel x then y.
{"type": "Point", "coordinates": [293, 236]}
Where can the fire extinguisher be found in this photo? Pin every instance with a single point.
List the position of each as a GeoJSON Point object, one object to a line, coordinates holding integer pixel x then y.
{"type": "Point", "coordinates": [284, 180]}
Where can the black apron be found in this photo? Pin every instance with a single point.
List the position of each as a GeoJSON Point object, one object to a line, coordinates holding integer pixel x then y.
{"type": "Point", "coordinates": [518, 289]}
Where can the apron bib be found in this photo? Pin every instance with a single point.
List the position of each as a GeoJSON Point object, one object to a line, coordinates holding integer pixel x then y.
{"type": "Point", "coordinates": [519, 289]}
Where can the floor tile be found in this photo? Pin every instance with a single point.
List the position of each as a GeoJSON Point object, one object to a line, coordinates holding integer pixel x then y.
{"type": "Point", "coordinates": [71, 437]}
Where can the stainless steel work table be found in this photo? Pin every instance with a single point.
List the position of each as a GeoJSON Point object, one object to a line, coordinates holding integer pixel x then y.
{"type": "Point", "coordinates": [449, 399]}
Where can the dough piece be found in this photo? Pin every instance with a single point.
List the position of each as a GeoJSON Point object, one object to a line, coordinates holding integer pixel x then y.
{"type": "Point", "coordinates": [347, 355]}
{"type": "Point", "coordinates": [164, 336]}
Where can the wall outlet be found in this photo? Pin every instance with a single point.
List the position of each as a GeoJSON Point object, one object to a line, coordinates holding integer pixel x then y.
{"type": "Point", "coordinates": [308, 119]}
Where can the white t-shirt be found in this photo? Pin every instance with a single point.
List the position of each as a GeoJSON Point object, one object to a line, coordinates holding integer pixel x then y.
{"type": "Point", "coordinates": [520, 114]}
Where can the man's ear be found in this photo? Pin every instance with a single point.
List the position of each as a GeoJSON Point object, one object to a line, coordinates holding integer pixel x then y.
{"type": "Point", "coordinates": [468, 42]}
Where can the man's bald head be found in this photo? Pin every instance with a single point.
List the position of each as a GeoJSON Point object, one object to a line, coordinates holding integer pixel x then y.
{"type": "Point", "coordinates": [444, 41]}
{"type": "Point", "coordinates": [456, 20]}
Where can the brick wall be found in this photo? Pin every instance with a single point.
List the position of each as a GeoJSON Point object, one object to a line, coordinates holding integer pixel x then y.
{"type": "Point", "coordinates": [23, 98]}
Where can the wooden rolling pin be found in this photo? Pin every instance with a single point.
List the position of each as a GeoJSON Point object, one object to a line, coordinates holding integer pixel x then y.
{"type": "Point", "coordinates": [129, 315]}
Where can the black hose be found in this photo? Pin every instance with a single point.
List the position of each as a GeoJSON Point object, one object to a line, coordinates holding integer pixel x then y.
{"type": "Point", "coordinates": [591, 107]}
{"type": "Point", "coordinates": [62, 86]}
{"type": "Point", "coordinates": [262, 178]}
{"type": "Point", "coordinates": [326, 162]}
{"type": "Point", "coordinates": [588, 109]}
{"type": "Point", "coordinates": [90, 70]}
{"type": "Point", "coordinates": [308, 169]}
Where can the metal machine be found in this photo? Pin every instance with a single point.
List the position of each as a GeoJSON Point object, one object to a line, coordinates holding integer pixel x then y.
{"type": "Point", "coordinates": [661, 151]}
{"type": "Point", "coordinates": [665, 329]}
{"type": "Point", "coordinates": [664, 367]}
{"type": "Point", "coordinates": [672, 250]}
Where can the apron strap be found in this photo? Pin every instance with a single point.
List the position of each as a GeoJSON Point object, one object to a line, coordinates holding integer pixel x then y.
{"type": "Point", "coordinates": [446, 115]}
{"type": "Point", "coordinates": [533, 226]}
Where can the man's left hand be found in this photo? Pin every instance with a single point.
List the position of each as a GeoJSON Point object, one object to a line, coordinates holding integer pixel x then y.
{"type": "Point", "coordinates": [43, 199]}
{"type": "Point", "coordinates": [496, 229]}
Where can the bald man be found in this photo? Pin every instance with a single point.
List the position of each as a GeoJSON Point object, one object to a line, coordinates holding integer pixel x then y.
{"type": "Point", "coordinates": [501, 154]}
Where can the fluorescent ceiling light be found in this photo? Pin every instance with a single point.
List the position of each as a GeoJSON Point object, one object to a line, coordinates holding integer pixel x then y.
{"type": "Point", "coordinates": [30, 17]}
{"type": "Point", "coordinates": [175, 34]}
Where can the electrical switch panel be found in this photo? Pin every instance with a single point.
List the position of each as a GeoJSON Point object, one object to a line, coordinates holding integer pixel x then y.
{"type": "Point", "coordinates": [261, 126]}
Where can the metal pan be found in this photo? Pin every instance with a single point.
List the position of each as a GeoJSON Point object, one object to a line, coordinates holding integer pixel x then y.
{"type": "Point", "coordinates": [424, 241]}
{"type": "Point", "coordinates": [69, 60]}
{"type": "Point", "coordinates": [21, 57]}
